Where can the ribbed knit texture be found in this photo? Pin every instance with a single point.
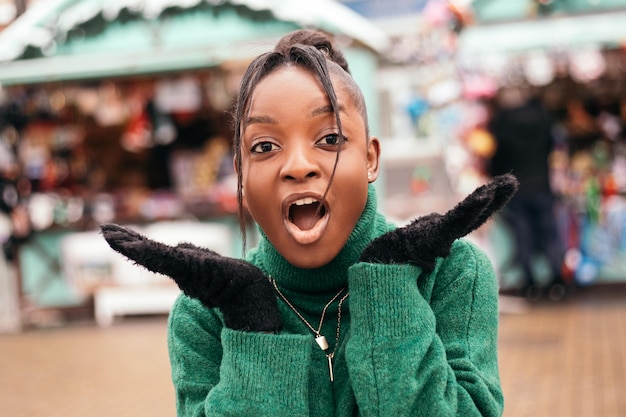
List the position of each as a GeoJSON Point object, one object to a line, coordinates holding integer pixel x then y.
{"type": "Point", "coordinates": [407, 347]}
{"type": "Point", "coordinates": [249, 358]}
{"type": "Point", "coordinates": [399, 296]}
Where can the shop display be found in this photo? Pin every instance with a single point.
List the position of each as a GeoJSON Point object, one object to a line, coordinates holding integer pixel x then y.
{"type": "Point", "coordinates": [155, 146]}
{"type": "Point", "coordinates": [76, 155]}
{"type": "Point", "coordinates": [583, 90]}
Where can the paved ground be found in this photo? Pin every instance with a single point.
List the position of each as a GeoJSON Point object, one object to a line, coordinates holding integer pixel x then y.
{"type": "Point", "coordinates": [557, 360]}
{"type": "Point", "coordinates": [566, 360]}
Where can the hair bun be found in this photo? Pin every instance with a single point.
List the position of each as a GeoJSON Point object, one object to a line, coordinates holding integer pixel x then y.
{"type": "Point", "coordinates": [316, 39]}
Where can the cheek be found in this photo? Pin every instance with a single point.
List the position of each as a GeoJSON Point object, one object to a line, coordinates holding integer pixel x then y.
{"type": "Point", "coordinates": [352, 171]}
{"type": "Point", "coordinates": [256, 192]}
{"type": "Point", "coordinates": [251, 176]}
{"type": "Point", "coordinates": [351, 185]}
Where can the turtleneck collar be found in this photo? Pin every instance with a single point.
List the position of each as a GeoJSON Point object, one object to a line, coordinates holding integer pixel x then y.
{"type": "Point", "coordinates": [331, 276]}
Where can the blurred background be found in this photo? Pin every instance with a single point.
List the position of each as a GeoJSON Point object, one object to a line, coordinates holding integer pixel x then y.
{"type": "Point", "coordinates": [117, 111]}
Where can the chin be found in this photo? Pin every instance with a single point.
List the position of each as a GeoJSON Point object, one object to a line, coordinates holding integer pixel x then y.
{"type": "Point", "coordinates": [308, 261]}
{"type": "Point", "coordinates": [307, 264]}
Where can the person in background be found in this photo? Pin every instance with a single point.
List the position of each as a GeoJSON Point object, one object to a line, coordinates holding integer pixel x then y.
{"type": "Point", "coordinates": [523, 132]}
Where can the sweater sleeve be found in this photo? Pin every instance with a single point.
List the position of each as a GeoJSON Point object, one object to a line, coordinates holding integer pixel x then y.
{"type": "Point", "coordinates": [427, 349]}
{"type": "Point", "coordinates": [218, 371]}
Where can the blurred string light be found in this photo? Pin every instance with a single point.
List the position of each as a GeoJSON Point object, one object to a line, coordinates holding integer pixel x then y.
{"type": "Point", "coordinates": [587, 64]}
{"type": "Point", "coordinates": [8, 12]}
{"type": "Point", "coordinates": [538, 68]}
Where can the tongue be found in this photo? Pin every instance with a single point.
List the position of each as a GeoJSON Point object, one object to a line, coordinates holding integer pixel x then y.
{"type": "Point", "coordinates": [305, 217]}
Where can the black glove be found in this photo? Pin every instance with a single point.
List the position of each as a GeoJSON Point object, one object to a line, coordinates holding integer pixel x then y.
{"type": "Point", "coordinates": [239, 289]}
{"type": "Point", "coordinates": [426, 238]}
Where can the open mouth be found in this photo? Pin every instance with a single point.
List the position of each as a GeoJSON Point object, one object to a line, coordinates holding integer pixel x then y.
{"type": "Point", "coordinates": [306, 212]}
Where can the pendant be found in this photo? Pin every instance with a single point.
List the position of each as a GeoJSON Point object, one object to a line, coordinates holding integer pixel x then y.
{"type": "Point", "coordinates": [321, 341]}
{"type": "Point", "coordinates": [330, 367]}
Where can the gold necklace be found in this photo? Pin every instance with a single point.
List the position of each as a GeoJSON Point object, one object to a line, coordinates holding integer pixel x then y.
{"type": "Point", "coordinates": [319, 337]}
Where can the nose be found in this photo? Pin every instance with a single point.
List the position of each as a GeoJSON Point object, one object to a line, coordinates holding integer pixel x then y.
{"type": "Point", "coordinates": [299, 163]}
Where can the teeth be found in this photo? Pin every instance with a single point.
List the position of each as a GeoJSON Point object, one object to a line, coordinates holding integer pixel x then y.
{"type": "Point", "coordinates": [303, 201]}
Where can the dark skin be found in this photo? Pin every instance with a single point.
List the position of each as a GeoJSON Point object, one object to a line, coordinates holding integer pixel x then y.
{"type": "Point", "coordinates": [289, 148]}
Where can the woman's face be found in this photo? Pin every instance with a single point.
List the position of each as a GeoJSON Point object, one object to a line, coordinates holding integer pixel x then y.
{"type": "Point", "coordinates": [288, 150]}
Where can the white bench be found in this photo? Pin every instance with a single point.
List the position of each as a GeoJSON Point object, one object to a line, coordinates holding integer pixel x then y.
{"type": "Point", "coordinates": [110, 302]}
{"type": "Point", "coordinates": [129, 289]}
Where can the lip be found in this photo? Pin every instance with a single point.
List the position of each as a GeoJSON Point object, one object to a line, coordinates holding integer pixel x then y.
{"type": "Point", "coordinates": [305, 237]}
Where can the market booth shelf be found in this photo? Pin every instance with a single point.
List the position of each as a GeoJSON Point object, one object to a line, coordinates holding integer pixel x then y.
{"type": "Point", "coordinates": [116, 111]}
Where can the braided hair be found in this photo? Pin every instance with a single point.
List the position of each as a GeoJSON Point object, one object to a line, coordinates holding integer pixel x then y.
{"type": "Point", "coordinates": [314, 52]}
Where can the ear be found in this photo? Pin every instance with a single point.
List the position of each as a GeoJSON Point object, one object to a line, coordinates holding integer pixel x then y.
{"type": "Point", "coordinates": [373, 158]}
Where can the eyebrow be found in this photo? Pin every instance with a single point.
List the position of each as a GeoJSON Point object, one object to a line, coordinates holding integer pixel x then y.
{"type": "Point", "coordinates": [260, 119]}
{"type": "Point", "coordinates": [270, 121]}
{"type": "Point", "coordinates": [325, 109]}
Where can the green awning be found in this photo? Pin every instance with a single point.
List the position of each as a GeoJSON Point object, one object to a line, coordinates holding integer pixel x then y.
{"type": "Point", "coordinates": [61, 40]}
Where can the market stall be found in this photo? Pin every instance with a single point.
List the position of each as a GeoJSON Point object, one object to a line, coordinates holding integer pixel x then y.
{"type": "Point", "coordinates": [574, 63]}
{"type": "Point", "coordinates": [117, 112]}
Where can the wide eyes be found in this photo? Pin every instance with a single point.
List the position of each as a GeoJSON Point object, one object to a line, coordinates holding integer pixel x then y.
{"type": "Point", "coordinates": [263, 147]}
{"type": "Point", "coordinates": [332, 140]}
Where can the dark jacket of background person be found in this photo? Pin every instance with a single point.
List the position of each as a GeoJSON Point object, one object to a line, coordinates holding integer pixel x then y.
{"type": "Point", "coordinates": [524, 143]}
{"type": "Point", "coordinates": [523, 132]}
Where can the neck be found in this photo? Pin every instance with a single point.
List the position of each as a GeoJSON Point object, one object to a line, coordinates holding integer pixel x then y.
{"type": "Point", "coordinates": [333, 275]}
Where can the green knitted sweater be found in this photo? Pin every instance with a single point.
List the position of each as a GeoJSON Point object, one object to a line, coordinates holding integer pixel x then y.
{"type": "Point", "coordinates": [404, 349]}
